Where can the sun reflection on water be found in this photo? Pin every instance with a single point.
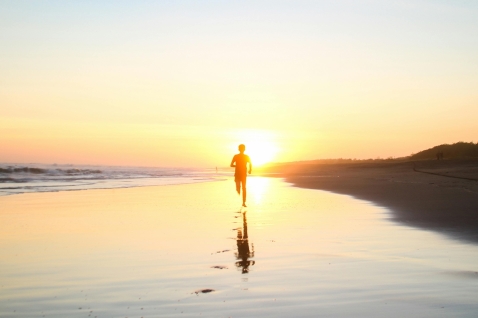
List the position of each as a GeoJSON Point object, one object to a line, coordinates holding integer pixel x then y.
{"type": "Point", "coordinates": [258, 187]}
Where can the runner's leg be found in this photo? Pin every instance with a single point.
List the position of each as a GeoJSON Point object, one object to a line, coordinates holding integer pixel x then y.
{"type": "Point", "coordinates": [244, 191]}
{"type": "Point", "coordinates": [238, 186]}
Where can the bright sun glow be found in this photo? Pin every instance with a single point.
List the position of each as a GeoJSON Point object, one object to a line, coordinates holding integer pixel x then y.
{"type": "Point", "coordinates": [260, 152]}
{"type": "Point", "coordinates": [260, 145]}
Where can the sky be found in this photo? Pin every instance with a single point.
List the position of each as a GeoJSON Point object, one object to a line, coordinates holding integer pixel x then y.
{"type": "Point", "coordinates": [182, 83]}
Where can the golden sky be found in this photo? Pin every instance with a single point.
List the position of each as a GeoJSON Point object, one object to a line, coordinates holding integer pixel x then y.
{"type": "Point", "coordinates": [183, 83]}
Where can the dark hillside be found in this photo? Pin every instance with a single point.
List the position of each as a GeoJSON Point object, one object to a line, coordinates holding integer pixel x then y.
{"type": "Point", "coordinates": [453, 151]}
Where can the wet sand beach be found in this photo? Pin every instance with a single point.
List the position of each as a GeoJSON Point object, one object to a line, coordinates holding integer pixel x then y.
{"type": "Point", "coordinates": [191, 251]}
{"type": "Point", "coordinates": [437, 195]}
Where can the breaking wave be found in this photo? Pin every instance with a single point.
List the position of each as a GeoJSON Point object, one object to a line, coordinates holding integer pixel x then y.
{"type": "Point", "coordinates": [17, 178]}
{"type": "Point", "coordinates": [69, 172]}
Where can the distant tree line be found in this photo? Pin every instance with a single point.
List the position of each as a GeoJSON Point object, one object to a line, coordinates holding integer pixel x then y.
{"type": "Point", "coordinates": [459, 150]}
{"type": "Point", "coordinates": [347, 160]}
{"type": "Point", "coordinates": [446, 151]}
{"type": "Point", "coordinates": [332, 161]}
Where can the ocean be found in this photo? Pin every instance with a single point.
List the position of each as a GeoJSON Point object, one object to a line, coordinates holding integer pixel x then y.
{"type": "Point", "coordinates": [27, 178]}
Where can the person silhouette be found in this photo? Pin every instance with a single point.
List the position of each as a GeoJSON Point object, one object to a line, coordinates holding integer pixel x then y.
{"type": "Point", "coordinates": [240, 162]}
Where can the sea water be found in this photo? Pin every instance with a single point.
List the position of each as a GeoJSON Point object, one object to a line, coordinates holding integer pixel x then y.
{"type": "Point", "coordinates": [27, 178]}
{"type": "Point", "coordinates": [190, 250]}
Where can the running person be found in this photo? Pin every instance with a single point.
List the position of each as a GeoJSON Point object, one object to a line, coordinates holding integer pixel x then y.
{"type": "Point", "coordinates": [240, 162]}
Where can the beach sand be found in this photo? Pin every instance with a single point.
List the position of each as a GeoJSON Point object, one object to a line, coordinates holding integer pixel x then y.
{"type": "Point", "coordinates": [191, 251]}
{"type": "Point", "coordinates": [437, 195]}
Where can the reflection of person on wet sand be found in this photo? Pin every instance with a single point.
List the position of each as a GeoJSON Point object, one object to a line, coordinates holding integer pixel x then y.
{"type": "Point", "coordinates": [240, 162]}
{"type": "Point", "coordinates": [243, 252]}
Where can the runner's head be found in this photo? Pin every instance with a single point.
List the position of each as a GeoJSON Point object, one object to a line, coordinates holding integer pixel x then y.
{"type": "Point", "coordinates": [242, 148]}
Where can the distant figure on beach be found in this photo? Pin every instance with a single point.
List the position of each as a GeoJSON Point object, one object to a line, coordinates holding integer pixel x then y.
{"type": "Point", "coordinates": [240, 162]}
{"type": "Point", "coordinates": [440, 156]}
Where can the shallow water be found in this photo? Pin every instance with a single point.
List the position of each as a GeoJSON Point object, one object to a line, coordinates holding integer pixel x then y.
{"type": "Point", "coordinates": [150, 252]}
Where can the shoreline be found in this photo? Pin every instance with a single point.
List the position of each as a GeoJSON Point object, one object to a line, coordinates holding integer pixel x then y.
{"type": "Point", "coordinates": [433, 195]}
{"type": "Point", "coordinates": [441, 196]}
{"type": "Point", "coordinates": [166, 182]}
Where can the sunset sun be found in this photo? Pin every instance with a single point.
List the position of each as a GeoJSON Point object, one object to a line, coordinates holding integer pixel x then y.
{"type": "Point", "coordinates": [261, 152]}
{"type": "Point", "coordinates": [260, 145]}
